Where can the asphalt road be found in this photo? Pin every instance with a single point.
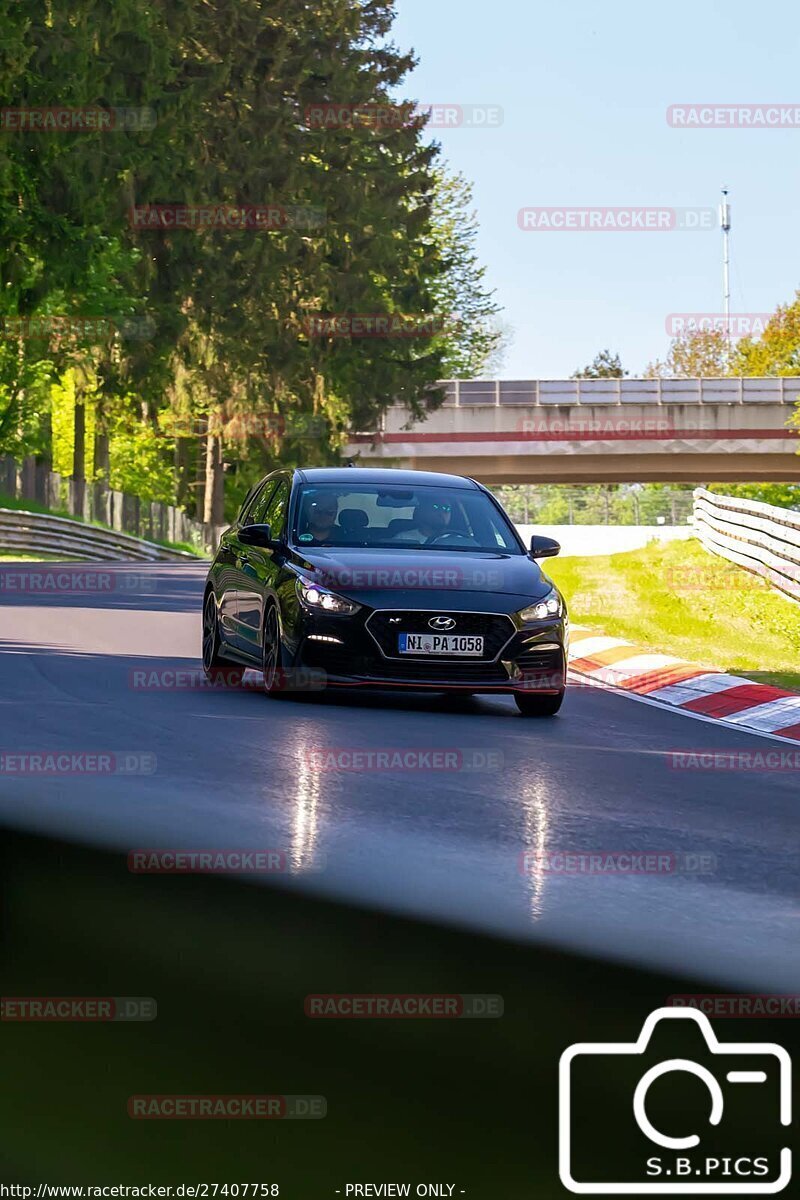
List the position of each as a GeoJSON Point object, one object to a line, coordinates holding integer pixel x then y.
{"type": "Point", "coordinates": [235, 770]}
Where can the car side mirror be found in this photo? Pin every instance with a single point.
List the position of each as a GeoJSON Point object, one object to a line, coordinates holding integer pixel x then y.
{"type": "Point", "coordinates": [544, 547]}
{"type": "Point", "coordinates": [257, 535]}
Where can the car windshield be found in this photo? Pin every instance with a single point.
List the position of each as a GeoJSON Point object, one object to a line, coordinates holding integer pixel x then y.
{"type": "Point", "coordinates": [435, 518]}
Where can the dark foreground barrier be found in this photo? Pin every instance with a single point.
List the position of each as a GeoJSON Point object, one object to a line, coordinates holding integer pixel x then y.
{"type": "Point", "coordinates": [242, 977]}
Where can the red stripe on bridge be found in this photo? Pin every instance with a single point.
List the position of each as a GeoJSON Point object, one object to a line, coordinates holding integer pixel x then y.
{"type": "Point", "coordinates": [578, 435]}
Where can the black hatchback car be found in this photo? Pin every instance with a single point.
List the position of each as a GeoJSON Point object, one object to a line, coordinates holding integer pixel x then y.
{"type": "Point", "coordinates": [354, 577]}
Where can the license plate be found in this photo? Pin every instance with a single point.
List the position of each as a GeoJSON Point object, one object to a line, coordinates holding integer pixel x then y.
{"type": "Point", "coordinates": [440, 643]}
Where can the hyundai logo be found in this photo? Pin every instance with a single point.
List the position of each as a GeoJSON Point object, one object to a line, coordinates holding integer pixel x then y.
{"type": "Point", "coordinates": [441, 623]}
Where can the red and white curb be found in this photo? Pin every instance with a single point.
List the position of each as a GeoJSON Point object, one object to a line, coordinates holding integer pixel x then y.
{"type": "Point", "coordinates": [615, 663]}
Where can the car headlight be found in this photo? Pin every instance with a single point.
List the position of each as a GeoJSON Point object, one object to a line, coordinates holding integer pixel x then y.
{"type": "Point", "coordinates": [548, 606]}
{"type": "Point", "coordinates": [319, 599]}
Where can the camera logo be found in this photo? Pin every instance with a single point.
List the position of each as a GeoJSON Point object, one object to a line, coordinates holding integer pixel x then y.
{"type": "Point", "coordinates": [736, 1100]}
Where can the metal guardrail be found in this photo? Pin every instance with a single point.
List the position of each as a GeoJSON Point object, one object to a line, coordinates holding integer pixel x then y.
{"type": "Point", "coordinates": [148, 520]}
{"type": "Point", "coordinates": [40, 533]}
{"type": "Point", "coordinates": [462, 393]}
{"type": "Point", "coordinates": [759, 537]}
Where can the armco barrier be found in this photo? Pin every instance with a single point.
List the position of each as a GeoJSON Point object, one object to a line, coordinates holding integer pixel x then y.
{"type": "Point", "coordinates": [148, 520]}
{"type": "Point", "coordinates": [759, 537]}
{"type": "Point", "coordinates": [39, 533]}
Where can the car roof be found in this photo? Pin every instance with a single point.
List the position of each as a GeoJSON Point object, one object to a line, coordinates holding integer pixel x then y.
{"type": "Point", "coordinates": [390, 476]}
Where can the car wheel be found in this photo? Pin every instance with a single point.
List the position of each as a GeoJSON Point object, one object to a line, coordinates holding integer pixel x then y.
{"type": "Point", "coordinates": [271, 666]}
{"type": "Point", "coordinates": [217, 669]}
{"type": "Point", "coordinates": [539, 706]}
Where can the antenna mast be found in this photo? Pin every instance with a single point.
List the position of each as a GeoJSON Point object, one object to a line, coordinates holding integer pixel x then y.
{"type": "Point", "coordinates": [725, 223]}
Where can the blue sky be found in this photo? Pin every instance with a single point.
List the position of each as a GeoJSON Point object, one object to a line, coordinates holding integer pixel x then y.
{"type": "Point", "coordinates": [584, 89]}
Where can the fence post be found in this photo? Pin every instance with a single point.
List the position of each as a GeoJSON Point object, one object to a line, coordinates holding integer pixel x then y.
{"type": "Point", "coordinates": [129, 514]}
{"type": "Point", "coordinates": [8, 476]}
{"type": "Point", "coordinates": [101, 497]}
{"type": "Point", "coordinates": [160, 519]}
{"type": "Point", "coordinates": [41, 480]}
{"type": "Point", "coordinates": [77, 497]}
{"type": "Point", "coordinates": [117, 511]}
{"type": "Point", "coordinates": [53, 486]}
{"type": "Point", "coordinates": [28, 478]}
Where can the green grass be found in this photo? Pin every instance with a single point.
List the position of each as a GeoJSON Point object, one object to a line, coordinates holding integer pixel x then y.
{"type": "Point", "coordinates": [676, 598]}
{"type": "Point", "coordinates": [10, 556]}
{"type": "Point", "coordinates": [33, 506]}
{"type": "Point", "coordinates": [187, 546]}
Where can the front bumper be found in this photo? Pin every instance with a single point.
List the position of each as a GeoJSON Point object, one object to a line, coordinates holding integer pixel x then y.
{"type": "Point", "coordinates": [518, 659]}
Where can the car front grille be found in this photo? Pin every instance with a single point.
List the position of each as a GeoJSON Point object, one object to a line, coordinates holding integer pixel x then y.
{"type": "Point", "coordinates": [451, 672]}
{"type": "Point", "coordinates": [339, 660]}
{"type": "Point", "coordinates": [493, 628]}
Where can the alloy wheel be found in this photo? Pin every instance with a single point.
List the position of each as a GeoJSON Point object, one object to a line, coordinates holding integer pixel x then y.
{"type": "Point", "coordinates": [271, 648]}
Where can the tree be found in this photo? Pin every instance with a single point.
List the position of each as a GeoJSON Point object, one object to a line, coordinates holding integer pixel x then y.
{"type": "Point", "coordinates": [558, 508]}
{"type": "Point", "coordinates": [475, 338]}
{"type": "Point", "coordinates": [65, 250]}
{"type": "Point", "coordinates": [782, 495]}
{"type": "Point", "coordinates": [699, 354]}
{"type": "Point", "coordinates": [604, 365]}
{"type": "Point", "coordinates": [249, 353]}
{"type": "Point", "coordinates": [777, 351]}
{"type": "Point", "coordinates": [228, 346]}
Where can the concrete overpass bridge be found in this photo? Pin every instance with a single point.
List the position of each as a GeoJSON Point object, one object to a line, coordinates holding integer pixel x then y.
{"type": "Point", "coordinates": [598, 430]}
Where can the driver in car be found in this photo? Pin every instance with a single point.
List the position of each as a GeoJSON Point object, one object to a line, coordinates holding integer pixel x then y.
{"type": "Point", "coordinates": [431, 518]}
{"type": "Point", "coordinates": [320, 524]}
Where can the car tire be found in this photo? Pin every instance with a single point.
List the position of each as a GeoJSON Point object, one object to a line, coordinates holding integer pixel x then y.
{"type": "Point", "coordinates": [539, 706]}
{"type": "Point", "coordinates": [216, 668]}
{"type": "Point", "coordinates": [271, 658]}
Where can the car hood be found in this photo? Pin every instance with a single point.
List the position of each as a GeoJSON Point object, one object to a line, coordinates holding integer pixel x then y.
{"type": "Point", "coordinates": [424, 578]}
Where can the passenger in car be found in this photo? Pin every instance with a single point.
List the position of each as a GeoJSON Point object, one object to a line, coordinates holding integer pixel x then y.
{"type": "Point", "coordinates": [430, 519]}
